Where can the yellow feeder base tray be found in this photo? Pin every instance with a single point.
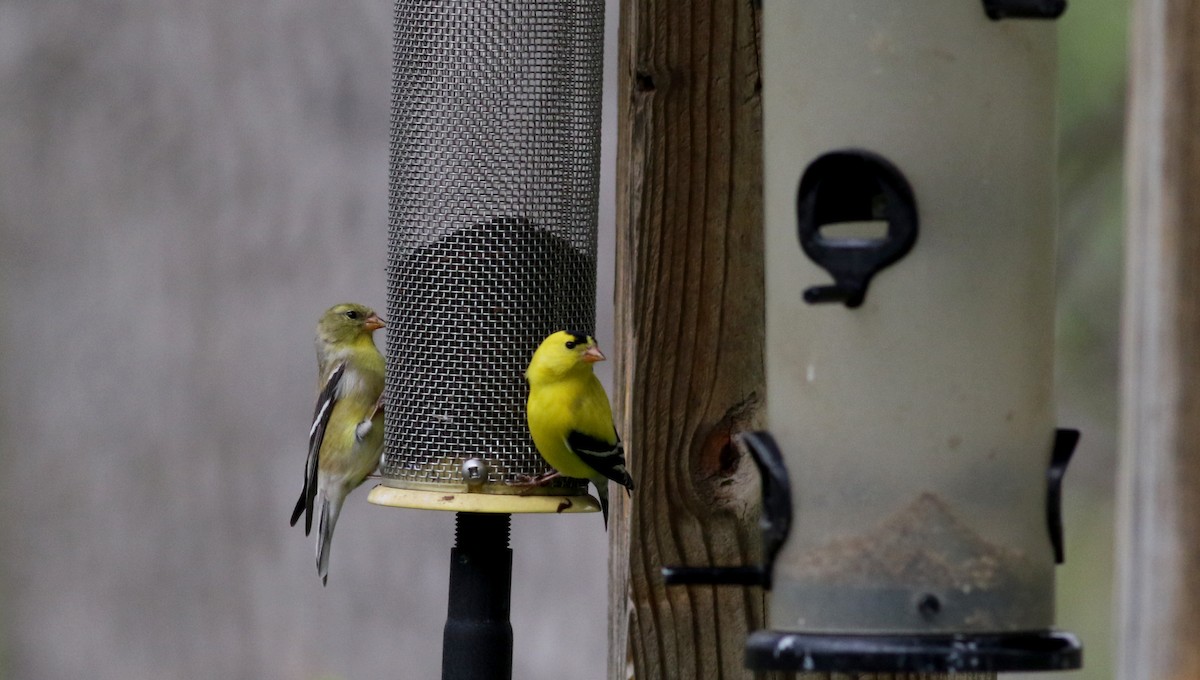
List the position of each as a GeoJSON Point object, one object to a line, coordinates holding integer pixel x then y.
{"type": "Point", "coordinates": [464, 501]}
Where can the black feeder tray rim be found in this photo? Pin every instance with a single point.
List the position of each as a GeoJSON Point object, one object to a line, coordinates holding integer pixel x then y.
{"type": "Point", "coordinates": [1047, 650]}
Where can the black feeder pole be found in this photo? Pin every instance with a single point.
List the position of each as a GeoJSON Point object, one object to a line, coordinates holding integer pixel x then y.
{"type": "Point", "coordinates": [478, 640]}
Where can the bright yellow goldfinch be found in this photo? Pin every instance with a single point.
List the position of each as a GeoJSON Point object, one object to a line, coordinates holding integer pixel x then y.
{"type": "Point", "coordinates": [347, 431]}
{"type": "Point", "coordinates": [569, 415]}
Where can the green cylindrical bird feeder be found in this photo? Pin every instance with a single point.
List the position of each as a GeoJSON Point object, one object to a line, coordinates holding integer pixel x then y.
{"type": "Point", "coordinates": [910, 208]}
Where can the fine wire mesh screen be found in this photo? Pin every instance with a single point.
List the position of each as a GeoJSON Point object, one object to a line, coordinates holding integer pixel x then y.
{"type": "Point", "coordinates": [492, 236]}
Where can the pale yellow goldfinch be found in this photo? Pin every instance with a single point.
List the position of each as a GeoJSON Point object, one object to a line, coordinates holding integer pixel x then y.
{"type": "Point", "coordinates": [347, 430]}
{"type": "Point", "coordinates": [569, 415]}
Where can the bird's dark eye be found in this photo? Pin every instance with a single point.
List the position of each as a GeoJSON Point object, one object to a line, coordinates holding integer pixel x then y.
{"type": "Point", "coordinates": [571, 344]}
{"type": "Point", "coordinates": [352, 315]}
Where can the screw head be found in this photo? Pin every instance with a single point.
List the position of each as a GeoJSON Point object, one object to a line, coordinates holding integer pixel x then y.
{"type": "Point", "coordinates": [475, 471]}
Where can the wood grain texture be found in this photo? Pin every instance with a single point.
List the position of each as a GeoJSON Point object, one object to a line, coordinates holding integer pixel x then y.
{"type": "Point", "coordinates": [1159, 502]}
{"type": "Point", "coordinates": [689, 327]}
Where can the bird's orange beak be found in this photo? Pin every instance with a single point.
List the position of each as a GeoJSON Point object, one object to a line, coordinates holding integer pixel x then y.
{"type": "Point", "coordinates": [593, 354]}
{"type": "Point", "coordinates": [373, 323]}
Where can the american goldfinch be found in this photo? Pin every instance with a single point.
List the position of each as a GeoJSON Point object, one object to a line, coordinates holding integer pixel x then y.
{"type": "Point", "coordinates": [347, 430]}
{"type": "Point", "coordinates": [569, 415]}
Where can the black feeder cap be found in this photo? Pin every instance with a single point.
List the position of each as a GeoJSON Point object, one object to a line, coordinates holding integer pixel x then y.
{"type": "Point", "coordinates": [769, 650]}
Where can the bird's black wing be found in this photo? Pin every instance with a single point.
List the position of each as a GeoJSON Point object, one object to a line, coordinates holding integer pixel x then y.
{"type": "Point", "coordinates": [603, 457]}
{"type": "Point", "coordinates": [325, 403]}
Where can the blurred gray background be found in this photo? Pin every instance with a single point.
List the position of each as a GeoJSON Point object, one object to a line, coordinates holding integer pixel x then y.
{"type": "Point", "coordinates": [184, 187]}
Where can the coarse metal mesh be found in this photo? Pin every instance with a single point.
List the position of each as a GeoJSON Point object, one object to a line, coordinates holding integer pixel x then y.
{"type": "Point", "coordinates": [492, 238]}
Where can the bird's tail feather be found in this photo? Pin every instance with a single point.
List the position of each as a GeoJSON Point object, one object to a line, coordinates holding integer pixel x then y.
{"type": "Point", "coordinates": [602, 492]}
{"type": "Point", "coordinates": [330, 509]}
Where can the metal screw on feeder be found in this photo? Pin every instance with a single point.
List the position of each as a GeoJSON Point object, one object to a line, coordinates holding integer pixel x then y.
{"type": "Point", "coordinates": [475, 472]}
{"type": "Point", "coordinates": [912, 467]}
{"type": "Point", "coordinates": [491, 247]}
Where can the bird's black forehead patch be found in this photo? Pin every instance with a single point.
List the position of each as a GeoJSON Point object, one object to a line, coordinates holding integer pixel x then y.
{"type": "Point", "coordinates": [580, 336]}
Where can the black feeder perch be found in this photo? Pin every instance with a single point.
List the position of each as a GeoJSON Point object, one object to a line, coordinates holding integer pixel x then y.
{"type": "Point", "coordinates": [491, 247]}
{"type": "Point", "coordinates": [912, 466]}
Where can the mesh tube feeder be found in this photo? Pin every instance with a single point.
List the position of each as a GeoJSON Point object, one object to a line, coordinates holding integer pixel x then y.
{"type": "Point", "coordinates": [912, 464]}
{"type": "Point", "coordinates": [494, 175]}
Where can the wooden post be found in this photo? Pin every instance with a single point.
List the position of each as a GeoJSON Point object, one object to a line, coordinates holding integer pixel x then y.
{"type": "Point", "coordinates": [1159, 489]}
{"type": "Point", "coordinates": [689, 329]}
